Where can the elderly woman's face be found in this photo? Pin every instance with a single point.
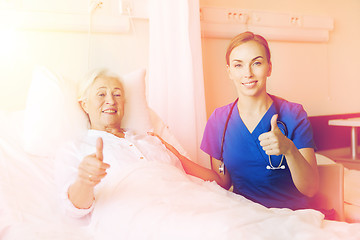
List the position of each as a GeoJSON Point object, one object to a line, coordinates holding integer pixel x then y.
{"type": "Point", "coordinates": [105, 103]}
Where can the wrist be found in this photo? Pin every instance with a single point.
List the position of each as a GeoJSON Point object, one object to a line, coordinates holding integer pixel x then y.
{"type": "Point", "coordinates": [291, 148]}
{"type": "Point", "coordinates": [81, 195]}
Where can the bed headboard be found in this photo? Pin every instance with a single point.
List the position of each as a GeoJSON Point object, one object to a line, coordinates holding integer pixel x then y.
{"type": "Point", "coordinates": [328, 137]}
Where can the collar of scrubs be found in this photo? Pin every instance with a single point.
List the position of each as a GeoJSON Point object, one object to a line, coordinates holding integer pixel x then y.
{"type": "Point", "coordinates": [263, 125]}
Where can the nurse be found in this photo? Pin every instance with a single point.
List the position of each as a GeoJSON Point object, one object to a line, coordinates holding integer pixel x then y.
{"type": "Point", "coordinates": [267, 148]}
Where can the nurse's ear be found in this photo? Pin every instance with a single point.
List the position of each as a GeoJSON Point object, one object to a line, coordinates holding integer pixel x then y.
{"type": "Point", "coordinates": [227, 68]}
{"type": "Point", "coordinates": [270, 69]}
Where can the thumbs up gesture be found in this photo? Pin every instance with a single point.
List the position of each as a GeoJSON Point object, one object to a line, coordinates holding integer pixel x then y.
{"type": "Point", "coordinates": [92, 168]}
{"type": "Point", "coordinates": [274, 142]}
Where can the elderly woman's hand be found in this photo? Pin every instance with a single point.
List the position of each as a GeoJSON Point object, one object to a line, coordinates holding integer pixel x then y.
{"type": "Point", "coordinates": [92, 168]}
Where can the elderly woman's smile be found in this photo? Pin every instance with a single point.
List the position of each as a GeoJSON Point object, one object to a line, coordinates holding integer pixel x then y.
{"type": "Point", "coordinates": [110, 111]}
{"type": "Point", "coordinates": [104, 104]}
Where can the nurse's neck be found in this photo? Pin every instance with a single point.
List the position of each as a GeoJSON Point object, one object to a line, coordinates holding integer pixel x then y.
{"type": "Point", "coordinates": [254, 106]}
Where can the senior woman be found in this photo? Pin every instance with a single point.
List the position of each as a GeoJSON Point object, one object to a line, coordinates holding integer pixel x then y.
{"type": "Point", "coordinates": [85, 164]}
{"type": "Point", "coordinates": [103, 102]}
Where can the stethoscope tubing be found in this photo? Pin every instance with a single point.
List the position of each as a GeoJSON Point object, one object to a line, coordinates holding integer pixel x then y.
{"type": "Point", "coordinates": [270, 166]}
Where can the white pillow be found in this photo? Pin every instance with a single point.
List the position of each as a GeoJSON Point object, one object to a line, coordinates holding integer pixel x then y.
{"type": "Point", "coordinates": [53, 115]}
{"type": "Point", "coordinates": [136, 115]}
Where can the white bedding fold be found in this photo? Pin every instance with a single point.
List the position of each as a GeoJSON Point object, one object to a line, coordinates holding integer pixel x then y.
{"type": "Point", "coordinates": [157, 201]}
{"type": "Point", "coordinates": [150, 200]}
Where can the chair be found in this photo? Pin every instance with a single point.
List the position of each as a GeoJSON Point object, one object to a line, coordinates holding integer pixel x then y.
{"type": "Point", "coordinates": [330, 197]}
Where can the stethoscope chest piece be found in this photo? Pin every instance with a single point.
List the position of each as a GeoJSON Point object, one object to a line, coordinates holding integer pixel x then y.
{"type": "Point", "coordinates": [275, 168]}
{"type": "Point", "coordinates": [222, 168]}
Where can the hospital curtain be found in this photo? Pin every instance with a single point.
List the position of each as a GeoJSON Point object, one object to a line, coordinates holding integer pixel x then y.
{"type": "Point", "coordinates": [175, 83]}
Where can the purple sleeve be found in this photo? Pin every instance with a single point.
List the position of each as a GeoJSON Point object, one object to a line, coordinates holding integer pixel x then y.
{"type": "Point", "coordinates": [211, 142]}
{"type": "Point", "coordinates": [303, 133]}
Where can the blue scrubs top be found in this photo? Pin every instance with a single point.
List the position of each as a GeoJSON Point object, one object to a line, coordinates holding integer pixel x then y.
{"type": "Point", "coordinates": [245, 159]}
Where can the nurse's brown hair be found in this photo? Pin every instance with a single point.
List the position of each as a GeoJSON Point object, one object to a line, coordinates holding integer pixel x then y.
{"type": "Point", "coordinates": [246, 37]}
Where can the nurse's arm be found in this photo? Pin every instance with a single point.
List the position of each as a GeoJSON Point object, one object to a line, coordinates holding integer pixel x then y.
{"type": "Point", "coordinates": [224, 177]}
{"type": "Point", "coordinates": [199, 171]}
{"type": "Point", "coordinates": [303, 168]}
{"type": "Point", "coordinates": [204, 173]}
{"type": "Point", "coordinates": [302, 163]}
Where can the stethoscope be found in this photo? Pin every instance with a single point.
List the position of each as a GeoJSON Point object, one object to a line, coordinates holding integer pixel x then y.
{"type": "Point", "coordinates": [270, 166]}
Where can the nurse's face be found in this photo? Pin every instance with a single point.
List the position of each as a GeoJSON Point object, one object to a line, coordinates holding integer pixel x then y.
{"type": "Point", "coordinates": [249, 68]}
{"type": "Point", "coordinates": [105, 104]}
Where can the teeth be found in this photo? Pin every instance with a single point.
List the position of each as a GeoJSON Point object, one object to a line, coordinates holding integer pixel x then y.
{"type": "Point", "coordinates": [249, 83]}
{"type": "Point", "coordinates": [109, 111]}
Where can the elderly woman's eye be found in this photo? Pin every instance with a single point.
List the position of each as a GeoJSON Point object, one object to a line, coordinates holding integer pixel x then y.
{"type": "Point", "coordinates": [117, 94]}
{"type": "Point", "coordinates": [101, 94]}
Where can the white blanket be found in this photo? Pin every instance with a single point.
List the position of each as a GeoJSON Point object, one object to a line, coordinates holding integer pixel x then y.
{"type": "Point", "coordinates": [150, 201]}
{"type": "Point", "coordinates": [157, 201]}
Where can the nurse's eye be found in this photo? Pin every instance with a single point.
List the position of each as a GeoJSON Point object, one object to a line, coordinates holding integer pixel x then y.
{"type": "Point", "coordinates": [238, 65]}
{"type": "Point", "coordinates": [257, 63]}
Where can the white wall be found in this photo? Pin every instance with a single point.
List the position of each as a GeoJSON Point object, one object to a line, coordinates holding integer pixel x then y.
{"type": "Point", "coordinates": [64, 52]}
{"type": "Point", "coordinates": [322, 76]}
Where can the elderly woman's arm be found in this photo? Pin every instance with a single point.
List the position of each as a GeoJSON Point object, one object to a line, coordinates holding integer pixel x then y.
{"type": "Point", "coordinates": [81, 195]}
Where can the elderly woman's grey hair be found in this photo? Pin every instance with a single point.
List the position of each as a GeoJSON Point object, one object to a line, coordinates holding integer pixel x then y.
{"type": "Point", "coordinates": [89, 79]}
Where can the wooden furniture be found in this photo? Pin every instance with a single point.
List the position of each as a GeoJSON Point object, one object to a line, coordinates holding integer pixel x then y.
{"type": "Point", "coordinates": [354, 123]}
{"type": "Point", "coordinates": [342, 156]}
{"type": "Point", "coordinates": [334, 140]}
{"type": "Point", "coordinates": [330, 197]}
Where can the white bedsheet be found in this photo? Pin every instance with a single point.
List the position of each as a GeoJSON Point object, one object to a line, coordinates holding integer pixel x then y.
{"type": "Point", "coordinates": [157, 201]}
{"type": "Point", "coordinates": [151, 201]}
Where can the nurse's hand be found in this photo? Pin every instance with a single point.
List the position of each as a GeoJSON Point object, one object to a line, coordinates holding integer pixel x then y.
{"type": "Point", "coordinates": [275, 142]}
{"type": "Point", "coordinates": [92, 168]}
{"type": "Point", "coordinates": [166, 144]}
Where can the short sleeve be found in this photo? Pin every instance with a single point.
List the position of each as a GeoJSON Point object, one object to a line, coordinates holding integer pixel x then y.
{"type": "Point", "coordinates": [211, 142]}
{"type": "Point", "coordinates": [303, 133]}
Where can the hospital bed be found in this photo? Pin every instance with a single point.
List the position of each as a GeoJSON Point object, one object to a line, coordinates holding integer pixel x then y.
{"type": "Point", "coordinates": [176, 206]}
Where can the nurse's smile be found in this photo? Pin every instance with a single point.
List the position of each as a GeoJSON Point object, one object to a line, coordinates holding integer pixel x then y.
{"type": "Point", "coordinates": [250, 84]}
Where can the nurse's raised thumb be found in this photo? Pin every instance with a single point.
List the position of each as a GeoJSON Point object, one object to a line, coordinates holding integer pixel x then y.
{"type": "Point", "coordinates": [273, 122]}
